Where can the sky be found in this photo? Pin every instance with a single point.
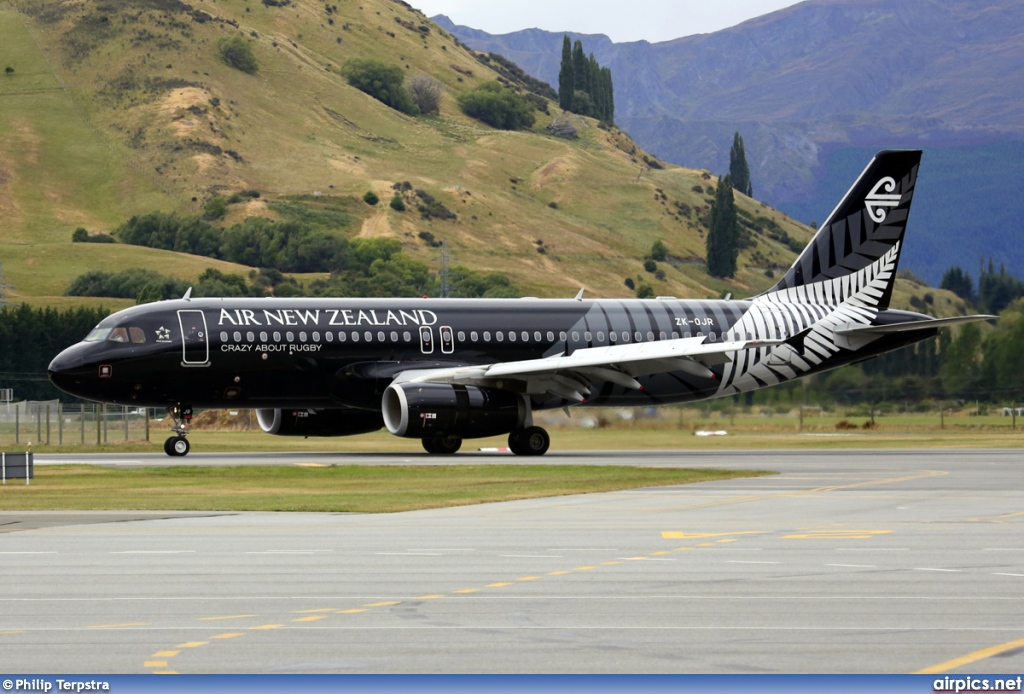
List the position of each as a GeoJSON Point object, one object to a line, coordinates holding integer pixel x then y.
{"type": "Point", "coordinates": [621, 20]}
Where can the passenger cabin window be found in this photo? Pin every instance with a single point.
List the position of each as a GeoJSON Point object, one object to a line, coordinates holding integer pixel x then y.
{"type": "Point", "coordinates": [588, 336]}
{"type": "Point", "coordinates": [575, 337]}
{"type": "Point", "coordinates": [263, 337]}
{"type": "Point", "coordinates": [250, 337]}
{"type": "Point", "coordinates": [600, 336]}
{"type": "Point", "coordinates": [472, 336]}
{"type": "Point", "coordinates": [394, 336]}
{"type": "Point", "coordinates": [277, 336]}
{"type": "Point", "coordinates": [487, 336]}
{"type": "Point", "coordinates": [223, 337]}
{"type": "Point", "coordinates": [342, 336]}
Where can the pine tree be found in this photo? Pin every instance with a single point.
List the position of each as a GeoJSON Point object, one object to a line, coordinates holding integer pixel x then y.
{"type": "Point", "coordinates": [723, 232]}
{"type": "Point", "coordinates": [565, 76]}
{"type": "Point", "coordinates": [594, 75]}
{"type": "Point", "coordinates": [738, 168]}
{"type": "Point", "coordinates": [609, 96]}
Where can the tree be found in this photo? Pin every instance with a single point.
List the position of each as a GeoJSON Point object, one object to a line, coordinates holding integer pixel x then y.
{"type": "Point", "coordinates": [565, 76]}
{"type": "Point", "coordinates": [723, 231]}
{"type": "Point", "coordinates": [959, 282]}
{"type": "Point", "coordinates": [10, 70]}
{"type": "Point", "coordinates": [659, 250]}
{"type": "Point", "coordinates": [738, 168]}
{"type": "Point", "coordinates": [580, 69]}
{"type": "Point", "coordinates": [397, 204]}
{"type": "Point", "coordinates": [498, 106]}
{"type": "Point", "coordinates": [370, 198]}
{"type": "Point", "coordinates": [80, 235]}
{"type": "Point", "coordinates": [425, 92]}
{"type": "Point", "coordinates": [237, 52]}
{"type": "Point", "coordinates": [381, 81]}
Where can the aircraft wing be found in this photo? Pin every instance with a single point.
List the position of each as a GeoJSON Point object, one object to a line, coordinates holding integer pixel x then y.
{"type": "Point", "coordinates": [570, 376]}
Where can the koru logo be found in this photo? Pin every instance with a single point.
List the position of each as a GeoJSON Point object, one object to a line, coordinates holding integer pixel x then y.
{"type": "Point", "coordinates": [876, 201]}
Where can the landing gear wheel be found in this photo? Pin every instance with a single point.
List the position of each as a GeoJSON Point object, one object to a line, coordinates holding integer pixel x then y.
{"type": "Point", "coordinates": [529, 441]}
{"type": "Point", "coordinates": [177, 446]}
{"type": "Point", "coordinates": [442, 445]}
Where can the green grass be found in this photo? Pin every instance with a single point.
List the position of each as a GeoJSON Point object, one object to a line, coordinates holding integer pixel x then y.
{"type": "Point", "coordinates": [350, 488]}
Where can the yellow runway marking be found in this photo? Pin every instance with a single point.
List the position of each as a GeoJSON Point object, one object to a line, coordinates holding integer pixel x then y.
{"type": "Point", "coordinates": [683, 549]}
{"type": "Point", "coordinates": [322, 609]}
{"type": "Point", "coordinates": [229, 635]}
{"type": "Point", "coordinates": [528, 578]}
{"type": "Point", "coordinates": [837, 535]}
{"type": "Point", "coordinates": [428, 597]}
{"type": "Point", "coordinates": [264, 627]}
{"type": "Point", "coordinates": [310, 465]}
{"type": "Point", "coordinates": [384, 604]}
{"type": "Point", "coordinates": [498, 585]}
{"type": "Point", "coordinates": [656, 554]}
{"type": "Point", "coordinates": [354, 610]}
{"type": "Point", "coordinates": [556, 573]}
{"type": "Point", "coordinates": [706, 544]}
{"type": "Point", "coordinates": [12, 632]}
{"type": "Point", "coordinates": [155, 663]}
{"type": "Point", "coordinates": [730, 540]}
{"type": "Point", "coordinates": [226, 616]}
{"type": "Point", "coordinates": [165, 654]}
{"type": "Point", "coordinates": [165, 672]}
{"type": "Point", "coordinates": [115, 626]}
{"type": "Point", "coordinates": [192, 644]}
{"type": "Point", "coordinates": [584, 568]}
{"type": "Point", "coordinates": [635, 558]}
{"type": "Point", "coordinates": [467, 590]}
{"type": "Point", "coordinates": [971, 658]}
{"type": "Point", "coordinates": [611, 563]}
{"type": "Point", "coordinates": [311, 618]}
{"type": "Point", "coordinates": [673, 535]}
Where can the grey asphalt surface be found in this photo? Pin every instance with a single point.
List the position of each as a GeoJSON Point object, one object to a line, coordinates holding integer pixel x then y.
{"type": "Point", "coordinates": [847, 561]}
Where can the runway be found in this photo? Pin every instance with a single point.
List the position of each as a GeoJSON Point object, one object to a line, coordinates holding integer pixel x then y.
{"type": "Point", "coordinates": [847, 561]}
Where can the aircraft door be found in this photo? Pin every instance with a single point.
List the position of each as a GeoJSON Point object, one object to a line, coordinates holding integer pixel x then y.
{"type": "Point", "coordinates": [195, 339]}
{"type": "Point", "coordinates": [426, 339]}
{"type": "Point", "coordinates": [447, 340]}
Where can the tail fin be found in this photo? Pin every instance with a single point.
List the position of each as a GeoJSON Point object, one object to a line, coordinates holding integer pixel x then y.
{"type": "Point", "coordinates": [866, 225]}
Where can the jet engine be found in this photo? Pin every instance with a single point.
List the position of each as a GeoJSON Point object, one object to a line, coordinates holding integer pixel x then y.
{"type": "Point", "coordinates": [318, 422]}
{"type": "Point", "coordinates": [423, 410]}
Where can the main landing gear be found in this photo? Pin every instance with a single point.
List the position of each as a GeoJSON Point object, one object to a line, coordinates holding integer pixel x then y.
{"type": "Point", "coordinates": [178, 445]}
{"type": "Point", "coordinates": [528, 441]}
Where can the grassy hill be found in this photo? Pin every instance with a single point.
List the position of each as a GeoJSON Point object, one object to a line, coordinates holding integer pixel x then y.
{"type": "Point", "coordinates": [123, 107]}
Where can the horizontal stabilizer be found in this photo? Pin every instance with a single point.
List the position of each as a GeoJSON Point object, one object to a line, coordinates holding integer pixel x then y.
{"type": "Point", "coordinates": [911, 326]}
{"type": "Point", "coordinates": [856, 336]}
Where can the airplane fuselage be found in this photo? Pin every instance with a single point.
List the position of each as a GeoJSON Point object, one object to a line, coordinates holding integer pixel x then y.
{"type": "Point", "coordinates": [331, 353]}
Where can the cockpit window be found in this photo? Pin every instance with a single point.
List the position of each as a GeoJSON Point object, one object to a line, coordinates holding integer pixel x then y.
{"type": "Point", "coordinates": [118, 335]}
{"type": "Point", "coordinates": [137, 335]}
{"type": "Point", "coordinates": [97, 335]}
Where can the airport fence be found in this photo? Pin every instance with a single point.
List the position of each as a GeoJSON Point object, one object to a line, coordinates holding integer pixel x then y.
{"type": "Point", "coordinates": [51, 422]}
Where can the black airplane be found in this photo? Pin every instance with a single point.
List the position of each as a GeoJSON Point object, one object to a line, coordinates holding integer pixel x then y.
{"type": "Point", "coordinates": [444, 370]}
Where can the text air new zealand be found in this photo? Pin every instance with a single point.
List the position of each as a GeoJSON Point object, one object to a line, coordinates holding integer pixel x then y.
{"type": "Point", "coordinates": [450, 369]}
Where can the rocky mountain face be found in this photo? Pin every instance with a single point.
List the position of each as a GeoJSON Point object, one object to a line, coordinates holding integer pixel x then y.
{"type": "Point", "coordinates": [815, 87]}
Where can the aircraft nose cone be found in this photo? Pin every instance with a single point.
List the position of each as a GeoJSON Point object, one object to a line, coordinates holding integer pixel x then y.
{"type": "Point", "coordinates": [66, 369]}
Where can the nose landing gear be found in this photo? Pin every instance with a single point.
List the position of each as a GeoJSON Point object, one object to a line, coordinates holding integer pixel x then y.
{"type": "Point", "coordinates": [178, 445]}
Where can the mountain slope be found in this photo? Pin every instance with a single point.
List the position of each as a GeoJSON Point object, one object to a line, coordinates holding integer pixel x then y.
{"type": "Point", "coordinates": [814, 85]}
{"type": "Point", "coordinates": [120, 108]}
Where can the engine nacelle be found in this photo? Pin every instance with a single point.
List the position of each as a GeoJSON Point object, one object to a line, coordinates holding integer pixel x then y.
{"type": "Point", "coordinates": [318, 422]}
{"type": "Point", "coordinates": [418, 410]}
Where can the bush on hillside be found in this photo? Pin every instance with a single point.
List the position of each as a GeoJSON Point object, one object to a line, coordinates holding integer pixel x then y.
{"type": "Point", "coordinates": [425, 91]}
{"type": "Point", "coordinates": [80, 235]}
{"type": "Point", "coordinates": [370, 198]}
{"type": "Point", "coordinates": [237, 52]}
{"type": "Point", "coordinates": [497, 106]}
{"type": "Point", "coordinates": [381, 81]}
{"type": "Point", "coordinates": [397, 204]}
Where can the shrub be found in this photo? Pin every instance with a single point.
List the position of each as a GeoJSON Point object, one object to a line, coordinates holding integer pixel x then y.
{"type": "Point", "coordinates": [397, 204]}
{"type": "Point", "coordinates": [9, 70]}
{"type": "Point", "coordinates": [79, 235]}
{"type": "Point", "coordinates": [497, 106]}
{"type": "Point", "coordinates": [215, 208]}
{"type": "Point", "coordinates": [644, 291]}
{"type": "Point", "coordinates": [425, 91]}
{"type": "Point", "coordinates": [629, 283]}
{"type": "Point", "coordinates": [650, 265]}
{"type": "Point", "coordinates": [659, 251]}
{"type": "Point", "coordinates": [370, 198]}
{"type": "Point", "coordinates": [381, 81]}
{"type": "Point", "coordinates": [237, 52]}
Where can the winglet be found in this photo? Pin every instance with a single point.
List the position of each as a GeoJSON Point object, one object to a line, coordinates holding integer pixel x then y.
{"type": "Point", "coordinates": [579, 295]}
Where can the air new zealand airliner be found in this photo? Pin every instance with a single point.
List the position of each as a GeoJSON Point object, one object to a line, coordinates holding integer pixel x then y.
{"type": "Point", "coordinates": [444, 370]}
